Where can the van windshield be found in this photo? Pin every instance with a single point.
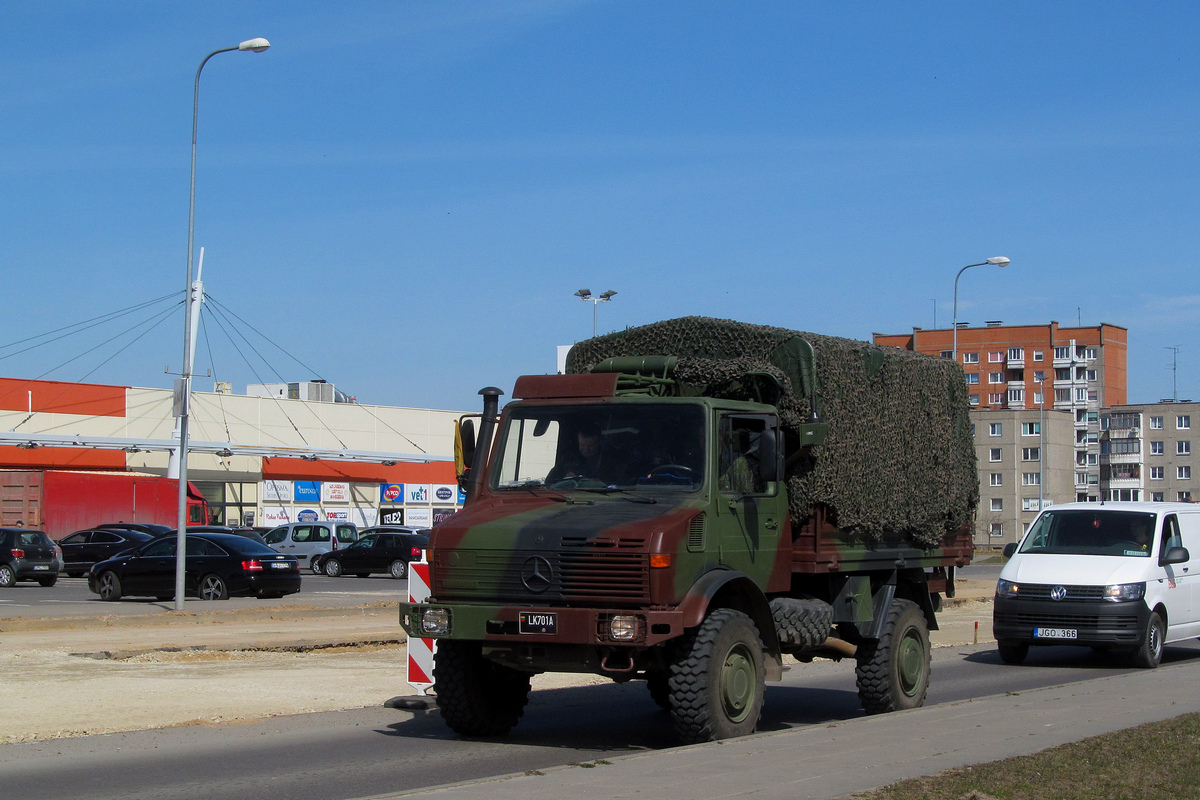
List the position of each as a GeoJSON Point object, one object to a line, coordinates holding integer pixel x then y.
{"type": "Point", "coordinates": [1092, 533]}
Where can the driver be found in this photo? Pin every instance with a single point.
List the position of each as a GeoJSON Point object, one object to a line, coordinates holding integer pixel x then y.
{"type": "Point", "coordinates": [1141, 534]}
{"type": "Point", "coordinates": [585, 462]}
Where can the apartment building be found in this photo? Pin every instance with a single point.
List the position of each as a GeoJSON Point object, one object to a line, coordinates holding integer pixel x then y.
{"type": "Point", "coordinates": [1078, 370]}
{"type": "Point", "coordinates": [1147, 452]}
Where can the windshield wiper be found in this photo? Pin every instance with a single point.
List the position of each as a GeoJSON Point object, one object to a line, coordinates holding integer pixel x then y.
{"type": "Point", "coordinates": [626, 494]}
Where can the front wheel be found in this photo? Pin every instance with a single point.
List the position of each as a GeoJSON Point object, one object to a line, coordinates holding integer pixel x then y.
{"type": "Point", "coordinates": [1012, 652]}
{"type": "Point", "coordinates": [109, 585]}
{"type": "Point", "coordinates": [477, 697]}
{"type": "Point", "coordinates": [212, 587]}
{"type": "Point", "coordinates": [718, 678]}
{"type": "Point", "coordinates": [333, 568]}
{"type": "Point", "coordinates": [1149, 652]}
{"type": "Point", "coordinates": [398, 569]}
{"type": "Point", "coordinates": [893, 672]}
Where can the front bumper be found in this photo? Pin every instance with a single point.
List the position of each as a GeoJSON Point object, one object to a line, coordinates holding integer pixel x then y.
{"type": "Point", "coordinates": [1094, 622]}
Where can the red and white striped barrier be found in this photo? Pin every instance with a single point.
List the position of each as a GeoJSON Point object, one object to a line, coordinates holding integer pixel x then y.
{"type": "Point", "coordinates": [420, 651]}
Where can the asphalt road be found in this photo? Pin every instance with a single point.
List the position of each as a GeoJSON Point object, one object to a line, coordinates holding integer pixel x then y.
{"type": "Point", "coordinates": [374, 750]}
{"type": "Point", "coordinates": [70, 597]}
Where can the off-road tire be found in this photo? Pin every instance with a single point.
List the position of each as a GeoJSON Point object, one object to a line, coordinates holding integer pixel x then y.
{"type": "Point", "coordinates": [477, 697]}
{"type": "Point", "coordinates": [801, 623]}
{"type": "Point", "coordinates": [47, 582]}
{"type": "Point", "coordinates": [398, 569]}
{"type": "Point", "coordinates": [8, 577]}
{"type": "Point", "coordinates": [893, 671]}
{"type": "Point", "coordinates": [717, 679]}
{"type": "Point", "coordinates": [108, 586]}
{"type": "Point", "coordinates": [1149, 652]}
{"type": "Point", "coordinates": [659, 684]}
{"type": "Point", "coordinates": [212, 587]}
{"type": "Point", "coordinates": [1012, 652]}
{"type": "Point", "coordinates": [333, 568]}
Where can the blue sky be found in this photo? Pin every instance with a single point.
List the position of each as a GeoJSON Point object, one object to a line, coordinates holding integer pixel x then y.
{"type": "Point", "coordinates": [406, 195]}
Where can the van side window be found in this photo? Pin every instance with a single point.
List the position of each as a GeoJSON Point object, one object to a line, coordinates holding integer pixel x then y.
{"type": "Point", "coordinates": [346, 533]}
{"type": "Point", "coordinates": [302, 533]}
{"type": "Point", "coordinates": [1170, 534]}
{"type": "Point", "coordinates": [320, 533]}
{"type": "Point", "coordinates": [276, 536]}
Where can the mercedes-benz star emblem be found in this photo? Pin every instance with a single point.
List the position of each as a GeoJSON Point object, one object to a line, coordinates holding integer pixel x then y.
{"type": "Point", "coordinates": [1058, 593]}
{"type": "Point", "coordinates": [536, 574]}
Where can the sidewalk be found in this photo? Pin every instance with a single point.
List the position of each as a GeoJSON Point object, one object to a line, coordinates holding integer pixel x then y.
{"type": "Point", "coordinates": [839, 759]}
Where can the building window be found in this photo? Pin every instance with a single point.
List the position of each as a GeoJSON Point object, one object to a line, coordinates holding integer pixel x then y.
{"type": "Point", "coordinates": [1062, 395]}
{"type": "Point", "coordinates": [995, 428]}
{"type": "Point", "coordinates": [1029, 504]}
{"type": "Point", "coordinates": [996, 479]}
{"type": "Point", "coordinates": [973, 399]}
{"type": "Point", "coordinates": [1016, 354]}
{"type": "Point", "coordinates": [947, 354]}
{"type": "Point", "coordinates": [1093, 395]}
{"type": "Point", "coordinates": [997, 504]}
{"type": "Point", "coordinates": [1080, 373]}
{"type": "Point", "coordinates": [1089, 353]}
{"type": "Point", "coordinates": [1037, 355]}
{"type": "Point", "coordinates": [996, 398]}
{"type": "Point", "coordinates": [1156, 473]}
{"type": "Point", "coordinates": [1185, 497]}
{"type": "Point", "coordinates": [1016, 375]}
{"type": "Point", "coordinates": [1156, 423]}
{"type": "Point", "coordinates": [1092, 416]}
{"type": "Point", "coordinates": [995, 377]}
{"type": "Point", "coordinates": [1038, 398]}
{"type": "Point", "coordinates": [1121, 447]}
{"type": "Point", "coordinates": [1062, 353]}
{"type": "Point", "coordinates": [1031, 479]}
{"type": "Point", "coordinates": [970, 358]}
{"type": "Point", "coordinates": [1157, 449]}
{"type": "Point", "coordinates": [1156, 497]}
{"type": "Point", "coordinates": [1063, 374]}
{"type": "Point", "coordinates": [1016, 395]}
{"type": "Point", "coordinates": [1122, 422]}
{"type": "Point", "coordinates": [1031, 428]}
{"type": "Point", "coordinates": [1183, 473]}
{"type": "Point", "coordinates": [996, 358]}
{"type": "Point", "coordinates": [1183, 448]}
{"type": "Point", "coordinates": [996, 529]}
{"type": "Point", "coordinates": [1091, 375]}
{"type": "Point", "coordinates": [1122, 472]}
{"type": "Point", "coordinates": [972, 378]}
{"type": "Point", "coordinates": [1031, 454]}
{"type": "Point", "coordinates": [1038, 376]}
{"type": "Point", "coordinates": [1081, 395]}
{"type": "Point", "coordinates": [994, 454]}
{"type": "Point", "coordinates": [1183, 422]}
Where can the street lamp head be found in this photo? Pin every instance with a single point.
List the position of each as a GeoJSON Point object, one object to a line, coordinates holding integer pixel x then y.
{"type": "Point", "coordinates": [584, 294]}
{"type": "Point", "coordinates": [998, 261]}
{"type": "Point", "coordinates": [257, 45]}
{"type": "Point", "coordinates": [607, 295]}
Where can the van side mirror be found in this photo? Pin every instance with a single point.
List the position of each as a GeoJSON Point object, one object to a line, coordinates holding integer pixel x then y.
{"type": "Point", "coordinates": [1175, 555]}
{"type": "Point", "coordinates": [1010, 549]}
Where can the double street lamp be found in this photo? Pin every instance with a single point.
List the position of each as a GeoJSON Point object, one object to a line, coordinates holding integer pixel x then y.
{"type": "Point", "coordinates": [191, 318]}
{"type": "Point", "coordinates": [996, 261]}
{"type": "Point", "coordinates": [586, 294]}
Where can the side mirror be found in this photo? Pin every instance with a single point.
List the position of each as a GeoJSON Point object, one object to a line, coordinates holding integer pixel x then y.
{"type": "Point", "coordinates": [1175, 555]}
{"type": "Point", "coordinates": [464, 446]}
{"type": "Point", "coordinates": [1010, 549]}
{"type": "Point", "coordinates": [768, 455]}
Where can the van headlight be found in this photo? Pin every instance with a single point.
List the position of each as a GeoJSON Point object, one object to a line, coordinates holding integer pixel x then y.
{"type": "Point", "coordinates": [1007, 588]}
{"type": "Point", "coordinates": [1120, 592]}
{"type": "Point", "coordinates": [435, 621]}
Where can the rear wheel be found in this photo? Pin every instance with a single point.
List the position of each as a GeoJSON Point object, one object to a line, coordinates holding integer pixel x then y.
{"type": "Point", "coordinates": [398, 569]}
{"type": "Point", "coordinates": [1012, 652]}
{"type": "Point", "coordinates": [333, 568]}
{"type": "Point", "coordinates": [315, 565]}
{"type": "Point", "coordinates": [717, 679]}
{"type": "Point", "coordinates": [893, 672]}
{"type": "Point", "coordinates": [477, 697]}
{"type": "Point", "coordinates": [212, 587]}
{"type": "Point", "coordinates": [48, 582]}
{"type": "Point", "coordinates": [74, 574]}
{"type": "Point", "coordinates": [7, 576]}
{"type": "Point", "coordinates": [1149, 652]}
{"type": "Point", "coordinates": [109, 585]}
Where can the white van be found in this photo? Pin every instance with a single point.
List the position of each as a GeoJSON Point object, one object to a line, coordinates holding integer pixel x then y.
{"type": "Point", "coordinates": [309, 540]}
{"type": "Point", "coordinates": [1116, 576]}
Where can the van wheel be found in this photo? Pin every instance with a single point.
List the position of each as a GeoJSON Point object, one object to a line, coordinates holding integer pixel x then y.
{"type": "Point", "coordinates": [477, 697]}
{"type": "Point", "coordinates": [1012, 652]}
{"type": "Point", "coordinates": [333, 568]}
{"type": "Point", "coordinates": [1149, 653]}
{"type": "Point", "coordinates": [398, 569]}
{"type": "Point", "coordinates": [315, 565]}
{"type": "Point", "coordinates": [718, 678]}
{"type": "Point", "coordinates": [893, 672]}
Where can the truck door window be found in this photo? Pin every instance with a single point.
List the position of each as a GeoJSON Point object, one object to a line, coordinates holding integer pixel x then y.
{"type": "Point", "coordinates": [739, 443]}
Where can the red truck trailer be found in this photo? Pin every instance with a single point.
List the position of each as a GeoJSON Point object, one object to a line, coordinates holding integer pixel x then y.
{"type": "Point", "coordinates": [60, 502]}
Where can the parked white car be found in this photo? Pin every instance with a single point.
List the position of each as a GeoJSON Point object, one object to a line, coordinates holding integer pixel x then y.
{"type": "Point", "coordinates": [1119, 576]}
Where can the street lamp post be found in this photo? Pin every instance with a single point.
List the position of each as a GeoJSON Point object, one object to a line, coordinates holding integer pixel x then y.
{"type": "Point", "coordinates": [997, 261]}
{"type": "Point", "coordinates": [1041, 383]}
{"type": "Point", "coordinates": [586, 294]}
{"type": "Point", "coordinates": [191, 315]}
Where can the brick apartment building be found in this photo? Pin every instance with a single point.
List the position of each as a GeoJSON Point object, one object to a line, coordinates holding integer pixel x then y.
{"type": "Point", "coordinates": [1029, 372]}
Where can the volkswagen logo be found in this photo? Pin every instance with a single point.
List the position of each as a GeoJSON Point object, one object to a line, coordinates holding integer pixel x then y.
{"type": "Point", "coordinates": [1058, 593]}
{"type": "Point", "coordinates": [536, 574]}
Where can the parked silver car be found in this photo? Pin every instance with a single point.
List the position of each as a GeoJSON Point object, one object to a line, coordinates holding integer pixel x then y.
{"type": "Point", "coordinates": [308, 540]}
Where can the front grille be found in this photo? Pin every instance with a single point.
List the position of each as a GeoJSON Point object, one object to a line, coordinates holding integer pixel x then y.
{"type": "Point", "coordinates": [579, 575]}
{"type": "Point", "coordinates": [1083, 622]}
{"type": "Point", "coordinates": [1041, 591]}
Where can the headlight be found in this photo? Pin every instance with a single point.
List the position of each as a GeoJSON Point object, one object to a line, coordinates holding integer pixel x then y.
{"type": "Point", "coordinates": [1007, 588]}
{"type": "Point", "coordinates": [1119, 592]}
{"type": "Point", "coordinates": [435, 621]}
{"type": "Point", "coordinates": [623, 628]}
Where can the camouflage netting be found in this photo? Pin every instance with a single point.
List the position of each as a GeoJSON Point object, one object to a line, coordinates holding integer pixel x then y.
{"type": "Point", "coordinates": [899, 461]}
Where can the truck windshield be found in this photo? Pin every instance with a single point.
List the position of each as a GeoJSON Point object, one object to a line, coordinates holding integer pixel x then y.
{"type": "Point", "coordinates": [598, 447]}
{"type": "Point", "coordinates": [1092, 533]}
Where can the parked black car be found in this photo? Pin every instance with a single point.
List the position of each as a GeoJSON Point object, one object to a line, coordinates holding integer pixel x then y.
{"type": "Point", "coordinates": [383, 549]}
{"type": "Point", "coordinates": [28, 555]}
{"type": "Point", "coordinates": [218, 565]}
{"type": "Point", "coordinates": [249, 533]}
{"type": "Point", "coordinates": [84, 548]}
{"type": "Point", "coordinates": [144, 527]}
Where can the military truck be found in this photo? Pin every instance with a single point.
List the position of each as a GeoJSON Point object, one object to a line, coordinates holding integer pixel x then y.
{"type": "Point", "coordinates": [692, 502]}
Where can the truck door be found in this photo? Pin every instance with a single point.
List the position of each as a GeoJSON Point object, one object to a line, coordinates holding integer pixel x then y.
{"type": "Point", "coordinates": [749, 509]}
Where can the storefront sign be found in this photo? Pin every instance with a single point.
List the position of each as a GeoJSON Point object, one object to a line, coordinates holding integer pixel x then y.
{"type": "Point", "coordinates": [335, 492]}
{"type": "Point", "coordinates": [307, 492]}
{"type": "Point", "coordinates": [440, 515]}
{"type": "Point", "coordinates": [417, 492]}
{"type": "Point", "coordinates": [275, 515]}
{"type": "Point", "coordinates": [277, 491]}
{"type": "Point", "coordinates": [339, 515]}
{"type": "Point", "coordinates": [391, 516]}
{"type": "Point", "coordinates": [391, 492]}
{"type": "Point", "coordinates": [307, 515]}
{"type": "Point", "coordinates": [444, 493]}
{"type": "Point", "coordinates": [419, 517]}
